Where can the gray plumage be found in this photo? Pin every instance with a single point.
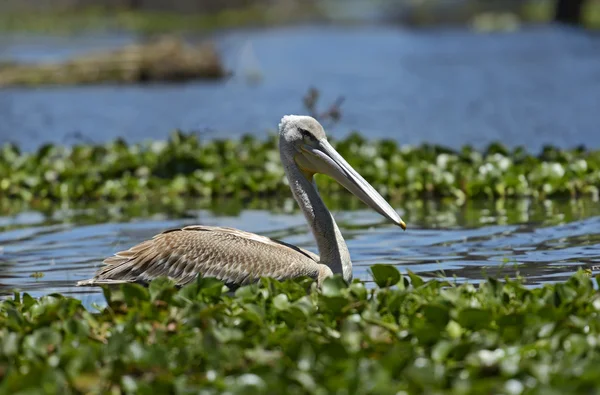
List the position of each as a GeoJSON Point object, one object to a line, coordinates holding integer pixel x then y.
{"type": "Point", "coordinates": [237, 257]}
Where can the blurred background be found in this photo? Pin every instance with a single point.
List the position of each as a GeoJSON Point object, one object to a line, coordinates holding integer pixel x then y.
{"type": "Point", "coordinates": [450, 72]}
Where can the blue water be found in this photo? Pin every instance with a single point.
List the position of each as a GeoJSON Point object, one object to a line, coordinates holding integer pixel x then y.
{"type": "Point", "coordinates": [541, 242]}
{"type": "Point", "coordinates": [536, 86]}
{"type": "Point", "coordinates": [445, 86]}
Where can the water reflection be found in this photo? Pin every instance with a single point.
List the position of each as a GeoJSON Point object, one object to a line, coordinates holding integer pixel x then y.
{"type": "Point", "coordinates": [541, 241]}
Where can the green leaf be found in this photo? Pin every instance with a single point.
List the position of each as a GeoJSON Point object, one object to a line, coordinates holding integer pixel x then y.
{"type": "Point", "coordinates": [385, 275]}
{"type": "Point", "coordinates": [42, 339]}
{"type": "Point", "coordinates": [134, 293]}
{"type": "Point", "coordinates": [28, 301]}
{"type": "Point", "coordinates": [437, 314]}
{"type": "Point", "coordinates": [441, 350]}
{"type": "Point", "coordinates": [189, 292]}
{"type": "Point", "coordinates": [162, 288]}
{"type": "Point", "coordinates": [333, 286]}
{"type": "Point", "coordinates": [107, 292]}
{"type": "Point", "coordinates": [281, 302]}
{"type": "Point", "coordinates": [14, 318]}
{"type": "Point", "coordinates": [76, 328]}
{"type": "Point", "coordinates": [426, 332]}
{"type": "Point", "coordinates": [210, 286]}
{"type": "Point", "coordinates": [415, 280]}
{"type": "Point", "coordinates": [253, 313]}
{"type": "Point", "coordinates": [10, 344]}
{"type": "Point", "coordinates": [474, 318]}
{"type": "Point", "coordinates": [305, 305]}
{"type": "Point", "coordinates": [247, 292]}
{"type": "Point", "coordinates": [359, 290]}
{"type": "Point", "coordinates": [333, 304]}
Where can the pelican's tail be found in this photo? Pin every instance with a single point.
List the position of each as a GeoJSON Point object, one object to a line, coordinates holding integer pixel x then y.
{"type": "Point", "coordinates": [92, 282]}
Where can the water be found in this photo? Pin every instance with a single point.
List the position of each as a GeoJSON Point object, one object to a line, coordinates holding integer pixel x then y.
{"type": "Point", "coordinates": [540, 241]}
{"type": "Point", "coordinates": [446, 86]}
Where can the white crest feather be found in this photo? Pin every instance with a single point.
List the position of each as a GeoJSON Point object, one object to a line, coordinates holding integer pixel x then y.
{"type": "Point", "coordinates": [287, 119]}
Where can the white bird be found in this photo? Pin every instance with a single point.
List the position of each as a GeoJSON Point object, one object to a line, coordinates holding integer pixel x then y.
{"type": "Point", "coordinates": [237, 257]}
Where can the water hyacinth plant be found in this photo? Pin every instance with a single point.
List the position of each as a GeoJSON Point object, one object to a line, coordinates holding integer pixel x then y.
{"type": "Point", "coordinates": [187, 166]}
{"type": "Point", "coordinates": [406, 336]}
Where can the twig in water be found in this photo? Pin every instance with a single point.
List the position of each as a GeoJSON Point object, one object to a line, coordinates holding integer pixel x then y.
{"type": "Point", "coordinates": [329, 117]}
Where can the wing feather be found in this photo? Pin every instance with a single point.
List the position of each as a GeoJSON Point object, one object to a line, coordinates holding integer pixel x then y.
{"type": "Point", "coordinates": [231, 255]}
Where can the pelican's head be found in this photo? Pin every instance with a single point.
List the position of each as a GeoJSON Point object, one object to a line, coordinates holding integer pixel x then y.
{"type": "Point", "coordinates": [303, 140]}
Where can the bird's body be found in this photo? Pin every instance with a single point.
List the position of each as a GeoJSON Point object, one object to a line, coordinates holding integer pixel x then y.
{"type": "Point", "coordinates": [237, 257]}
{"type": "Point", "coordinates": [213, 251]}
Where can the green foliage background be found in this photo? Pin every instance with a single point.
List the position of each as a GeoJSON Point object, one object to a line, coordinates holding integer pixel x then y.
{"type": "Point", "coordinates": [186, 166]}
{"type": "Point", "coordinates": [412, 337]}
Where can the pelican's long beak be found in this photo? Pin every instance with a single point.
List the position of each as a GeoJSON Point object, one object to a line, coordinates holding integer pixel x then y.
{"type": "Point", "coordinates": [326, 160]}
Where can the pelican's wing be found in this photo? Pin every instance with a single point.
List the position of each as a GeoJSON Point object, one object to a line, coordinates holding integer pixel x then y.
{"type": "Point", "coordinates": [231, 255]}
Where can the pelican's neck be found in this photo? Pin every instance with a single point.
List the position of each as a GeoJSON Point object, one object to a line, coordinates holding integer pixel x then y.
{"type": "Point", "coordinates": [332, 247]}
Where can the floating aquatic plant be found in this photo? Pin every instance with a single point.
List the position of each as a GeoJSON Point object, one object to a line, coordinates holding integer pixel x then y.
{"type": "Point", "coordinates": [409, 336]}
{"type": "Point", "coordinates": [94, 19]}
{"type": "Point", "coordinates": [185, 166]}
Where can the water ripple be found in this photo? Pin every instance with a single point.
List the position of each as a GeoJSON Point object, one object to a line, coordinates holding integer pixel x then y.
{"type": "Point", "coordinates": [67, 252]}
{"type": "Point", "coordinates": [444, 86]}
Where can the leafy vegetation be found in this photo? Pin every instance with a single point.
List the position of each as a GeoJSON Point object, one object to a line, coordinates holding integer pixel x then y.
{"type": "Point", "coordinates": [185, 166]}
{"type": "Point", "coordinates": [412, 337]}
{"type": "Point", "coordinates": [481, 15]}
{"type": "Point", "coordinates": [147, 22]}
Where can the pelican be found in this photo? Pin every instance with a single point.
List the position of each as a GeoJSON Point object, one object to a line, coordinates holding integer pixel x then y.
{"type": "Point", "coordinates": [237, 257]}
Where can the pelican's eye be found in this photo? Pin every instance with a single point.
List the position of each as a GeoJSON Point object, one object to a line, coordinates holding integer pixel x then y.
{"type": "Point", "coordinates": [307, 136]}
